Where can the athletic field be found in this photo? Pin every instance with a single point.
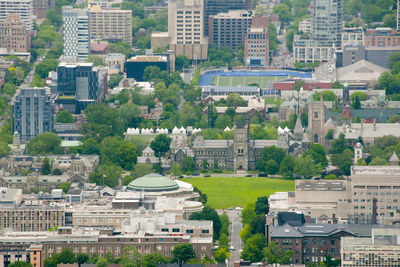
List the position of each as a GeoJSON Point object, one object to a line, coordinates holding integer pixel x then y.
{"type": "Point", "coordinates": [243, 80]}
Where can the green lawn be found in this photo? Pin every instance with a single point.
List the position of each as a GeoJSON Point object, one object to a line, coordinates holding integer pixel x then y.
{"type": "Point", "coordinates": [225, 192]}
{"type": "Point", "coordinates": [243, 80]}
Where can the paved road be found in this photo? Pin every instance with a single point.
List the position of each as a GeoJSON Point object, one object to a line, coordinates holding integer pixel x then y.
{"type": "Point", "coordinates": [236, 227]}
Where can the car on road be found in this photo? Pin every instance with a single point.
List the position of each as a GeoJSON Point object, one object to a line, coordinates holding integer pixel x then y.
{"type": "Point", "coordinates": [249, 175]}
{"type": "Point", "coordinates": [181, 176]}
{"type": "Point", "coordinates": [262, 175]}
{"type": "Point", "coordinates": [207, 175]}
{"type": "Point", "coordinates": [232, 248]}
{"type": "Point", "coordinates": [195, 174]}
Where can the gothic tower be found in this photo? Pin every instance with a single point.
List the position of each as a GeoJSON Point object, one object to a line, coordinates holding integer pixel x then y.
{"type": "Point", "coordinates": [316, 121]}
{"type": "Point", "coordinates": [241, 145]}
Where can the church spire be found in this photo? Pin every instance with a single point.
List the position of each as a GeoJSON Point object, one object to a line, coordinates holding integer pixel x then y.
{"type": "Point", "coordinates": [298, 129]}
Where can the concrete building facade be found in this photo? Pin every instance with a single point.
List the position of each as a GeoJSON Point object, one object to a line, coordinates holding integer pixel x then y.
{"type": "Point", "coordinates": [111, 24]}
{"type": "Point", "coordinates": [229, 29]}
{"type": "Point", "coordinates": [40, 7]}
{"type": "Point", "coordinates": [14, 35]}
{"type": "Point", "coordinates": [75, 33]}
{"type": "Point", "coordinates": [213, 7]}
{"type": "Point", "coordinates": [186, 29]}
{"type": "Point", "coordinates": [23, 8]}
{"type": "Point", "coordinates": [256, 46]}
{"type": "Point", "coordinates": [32, 112]}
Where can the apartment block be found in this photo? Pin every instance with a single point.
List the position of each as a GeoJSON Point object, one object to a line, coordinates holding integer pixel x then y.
{"type": "Point", "coordinates": [186, 29]}
{"type": "Point", "coordinates": [111, 24]}
{"type": "Point", "coordinates": [23, 8]}
{"type": "Point", "coordinates": [40, 7]}
{"type": "Point", "coordinates": [32, 112]}
{"type": "Point", "coordinates": [75, 33]}
{"type": "Point", "coordinates": [352, 36]}
{"type": "Point", "coordinates": [381, 249]}
{"type": "Point", "coordinates": [103, 3]}
{"type": "Point", "coordinates": [13, 34]}
{"type": "Point", "coordinates": [256, 48]}
{"type": "Point", "coordinates": [80, 84]}
{"type": "Point", "coordinates": [382, 37]}
{"type": "Point", "coordinates": [229, 29]}
{"type": "Point", "coordinates": [214, 7]}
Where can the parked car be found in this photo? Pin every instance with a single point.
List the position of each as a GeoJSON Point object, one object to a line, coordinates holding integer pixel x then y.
{"type": "Point", "coordinates": [181, 176]}
{"type": "Point", "coordinates": [249, 175]}
{"type": "Point", "coordinates": [195, 174]}
{"type": "Point", "coordinates": [207, 175]}
{"type": "Point", "coordinates": [262, 175]}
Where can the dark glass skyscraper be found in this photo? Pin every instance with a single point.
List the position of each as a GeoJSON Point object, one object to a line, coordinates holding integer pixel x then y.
{"type": "Point", "coordinates": [213, 7]}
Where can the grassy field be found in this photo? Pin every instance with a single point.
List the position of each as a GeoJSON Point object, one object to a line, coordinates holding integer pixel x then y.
{"type": "Point", "coordinates": [243, 80]}
{"type": "Point", "coordinates": [225, 192]}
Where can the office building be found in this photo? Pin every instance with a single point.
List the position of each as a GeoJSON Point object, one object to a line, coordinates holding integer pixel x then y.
{"type": "Point", "coordinates": [80, 84]}
{"type": "Point", "coordinates": [136, 65]}
{"type": "Point", "coordinates": [23, 8]}
{"type": "Point", "coordinates": [186, 29]}
{"type": "Point", "coordinates": [75, 33]}
{"type": "Point", "coordinates": [326, 33]}
{"type": "Point", "coordinates": [111, 24]}
{"type": "Point", "coordinates": [103, 3]}
{"type": "Point", "coordinates": [13, 34]}
{"type": "Point", "coordinates": [40, 7]}
{"type": "Point", "coordinates": [213, 7]}
{"type": "Point", "coordinates": [32, 112]}
{"type": "Point", "coordinates": [381, 249]}
{"type": "Point", "coordinates": [352, 36]}
{"type": "Point", "coordinates": [382, 37]}
{"type": "Point", "coordinates": [327, 22]}
{"type": "Point", "coordinates": [229, 29]}
{"type": "Point", "coordinates": [256, 47]}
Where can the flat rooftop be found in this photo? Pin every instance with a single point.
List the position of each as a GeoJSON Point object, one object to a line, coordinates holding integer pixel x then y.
{"type": "Point", "coordinates": [148, 59]}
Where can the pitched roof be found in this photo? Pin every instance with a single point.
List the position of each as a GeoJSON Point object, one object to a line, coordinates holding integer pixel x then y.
{"type": "Point", "coordinates": [362, 70]}
{"type": "Point", "coordinates": [298, 128]}
{"type": "Point", "coordinates": [394, 158]}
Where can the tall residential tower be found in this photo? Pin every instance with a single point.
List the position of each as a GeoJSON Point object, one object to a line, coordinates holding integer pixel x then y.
{"type": "Point", "coordinates": [23, 8]}
{"type": "Point", "coordinates": [75, 33]}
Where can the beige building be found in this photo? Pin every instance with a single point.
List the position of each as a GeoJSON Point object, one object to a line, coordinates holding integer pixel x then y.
{"type": "Point", "coordinates": [23, 8]}
{"type": "Point", "coordinates": [115, 61]}
{"type": "Point", "coordinates": [14, 35]}
{"type": "Point", "coordinates": [382, 249]}
{"type": "Point", "coordinates": [110, 24]}
{"type": "Point", "coordinates": [186, 28]}
{"type": "Point", "coordinates": [369, 195]}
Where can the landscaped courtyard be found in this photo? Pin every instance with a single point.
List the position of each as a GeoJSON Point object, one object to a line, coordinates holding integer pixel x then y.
{"type": "Point", "coordinates": [226, 192]}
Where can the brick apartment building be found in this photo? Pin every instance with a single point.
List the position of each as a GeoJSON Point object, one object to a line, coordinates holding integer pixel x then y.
{"type": "Point", "coordinates": [14, 35]}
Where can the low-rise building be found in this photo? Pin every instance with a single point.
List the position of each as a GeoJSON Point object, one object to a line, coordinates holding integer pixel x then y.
{"type": "Point", "coordinates": [14, 35]}
{"type": "Point", "coordinates": [115, 61]}
{"type": "Point", "coordinates": [218, 92]}
{"type": "Point", "coordinates": [381, 249]}
{"type": "Point", "coordinates": [136, 65]}
{"type": "Point", "coordinates": [352, 36]}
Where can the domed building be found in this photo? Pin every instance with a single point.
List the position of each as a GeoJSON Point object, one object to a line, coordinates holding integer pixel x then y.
{"type": "Point", "coordinates": [157, 185]}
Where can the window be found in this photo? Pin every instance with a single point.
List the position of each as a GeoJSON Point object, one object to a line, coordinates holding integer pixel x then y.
{"type": "Point", "coordinates": [205, 231]}
{"type": "Point", "coordinates": [332, 242]}
{"type": "Point", "coordinates": [189, 231]}
{"type": "Point", "coordinates": [175, 230]}
{"type": "Point", "coordinates": [315, 138]}
{"type": "Point", "coordinates": [315, 115]}
{"type": "Point", "coordinates": [164, 230]}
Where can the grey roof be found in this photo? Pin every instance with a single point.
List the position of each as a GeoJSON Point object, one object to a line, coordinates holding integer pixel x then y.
{"type": "Point", "coordinates": [298, 128]}
{"type": "Point", "coordinates": [232, 89]}
{"type": "Point", "coordinates": [394, 158]}
{"type": "Point", "coordinates": [285, 231]}
{"type": "Point", "coordinates": [382, 115]}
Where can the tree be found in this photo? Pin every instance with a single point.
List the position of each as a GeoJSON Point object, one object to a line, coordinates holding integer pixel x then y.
{"type": "Point", "coordinates": [330, 177]}
{"type": "Point", "coordinates": [160, 144]}
{"type": "Point", "coordinates": [317, 152]}
{"type": "Point", "coordinates": [9, 89]}
{"type": "Point", "coordinates": [283, 12]}
{"type": "Point", "coordinates": [271, 167]}
{"type": "Point", "coordinates": [261, 206]}
{"type": "Point", "coordinates": [96, 60]}
{"type": "Point", "coordinates": [393, 59]}
{"type": "Point", "coordinates": [245, 233]}
{"type": "Point", "coordinates": [221, 255]}
{"type": "Point", "coordinates": [343, 161]}
{"type": "Point", "coordinates": [287, 166]}
{"type": "Point", "coordinates": [183, 252]}
{"type": "Point", "coordinates": [378, 162]}
{"type": "Point", "coordinates": [257, 224]}
{"type": "Point", "coordinates": [356, 103]}
{"type": "Point", "coordinates": [102, 262]}
{"type": "Point", "coordinates": [64, 117]}
{"type": "Point", "coordinates": [4, 149]}
{"type": "Point", "coordinates": [235, 99]}
{"type": "Point", "coordinates": [188, 164]}
{"type": "Point", "coordinates": [275, 254]}
{"type": "Point", "coordinates": [126, 155]}
{"type": "Point", "coordinates": [47, 65]}
{"type": "Point", "coordinates": [89, 146]}
{"type": "Point", "coordinates": [202, 197]}
{"type": "Point", "coordinates": [338, 145]}
{"type": "Point", "coordinates": [361, 162]}
{"type": "Point", "coordinates": [223, 240]}
{"type": "Point", "coordinates": [65, 187]}
{"type": "Point", "coordinates": [268, 153]}
{"type": "Point", "coordinates": [82, 258]}
{"type": "Point", "coordinates": [45, 143]}
{"type": "Point", "coordinates": [326, 96]}
{"type": "Point", "coordinates": [153, 260]}
{"type": "Point", "coordinates": [253, 247]}
{"type": "Point", "coordinates": [248, 213]}
{"type": "Point", "coordinates": [181, 62]}
{"type": "Point", "coordinates": [66, 256]}
{"type": "Point", "coordinates": [305, 167]}
{"type": "Point", "coordinates": [209, 214]}
{"type": "Point", "coordinates": [120, 47]}
{"type": "Point", "coordinates": [176, 169]}
{"type": "Point", "coordinates": [109, 173]}
{"type": "Point", "coordinates": [114, 80]}
{"type": "Point", "coordinates": [20, 264]}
